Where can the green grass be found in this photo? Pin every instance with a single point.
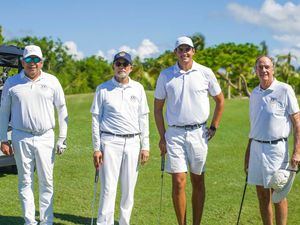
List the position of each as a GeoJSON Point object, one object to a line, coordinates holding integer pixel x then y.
{"type": "Point", "coordinates": [74, 174]}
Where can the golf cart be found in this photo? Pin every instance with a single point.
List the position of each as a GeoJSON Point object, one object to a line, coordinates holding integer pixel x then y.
{"type": "Point", "coordinates": [9, 59]}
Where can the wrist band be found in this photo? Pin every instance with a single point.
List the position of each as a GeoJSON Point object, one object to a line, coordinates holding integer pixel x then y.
{"type": "Point", "coordinates": [213, 128]}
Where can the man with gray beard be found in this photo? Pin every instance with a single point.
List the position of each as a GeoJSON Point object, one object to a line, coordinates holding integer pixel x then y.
{"type": "Point", "coordinates": [120, 132]}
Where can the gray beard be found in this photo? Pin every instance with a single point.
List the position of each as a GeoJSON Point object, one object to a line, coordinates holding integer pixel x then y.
{"type": "Point", "coordinates": [121, 75]}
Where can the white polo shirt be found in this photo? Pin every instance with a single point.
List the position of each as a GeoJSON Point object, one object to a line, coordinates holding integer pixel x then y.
{"type": "Point", "coordinates": [120, 109]}
{"type": "Point", "coordinates": [270, 111]}
{"type": "Point", "coordinates": [30, 103]}
{"type": "Point", "coordinates": [186, 93]}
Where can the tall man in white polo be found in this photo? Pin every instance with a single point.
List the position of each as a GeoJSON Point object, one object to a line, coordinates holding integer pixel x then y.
{"type": "Point", "coordinates": [185, 88]}
{"type": "Point", "coordinates": [274, 111]}
{"type": "Point", "coordinates": [29, 98]}
{"type": "Point", "coordinates": [120, 132]}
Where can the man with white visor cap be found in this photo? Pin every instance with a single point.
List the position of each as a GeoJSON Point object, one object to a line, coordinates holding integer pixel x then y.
{"type": "Point", "coordinates": [274, 111]}
{"type": "Point", "coordinates": [185, 88]}
{"type": "Point", "coordinates": [120, 132]}
{"type": "Point", "coordinates": [29, 98]}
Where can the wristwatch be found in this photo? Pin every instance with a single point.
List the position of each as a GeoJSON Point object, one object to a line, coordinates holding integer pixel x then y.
{"type": "Point", "coordinates": [213, 128]}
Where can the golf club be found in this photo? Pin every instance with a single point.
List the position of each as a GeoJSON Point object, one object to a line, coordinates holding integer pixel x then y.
{"type": "Point", "coordinates": [245, 187]}
{"type": "Point", "coordinates": [162, 169]}
{"type": "Point", "coordinates": [95, 191]}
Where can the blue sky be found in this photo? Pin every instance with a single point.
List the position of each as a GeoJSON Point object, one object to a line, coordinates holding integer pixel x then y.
{"type": "Point", "coordinates": [149, 27]}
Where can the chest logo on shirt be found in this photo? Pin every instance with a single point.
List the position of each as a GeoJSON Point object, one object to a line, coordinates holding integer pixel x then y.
{"type": "Point", "coordinates": [133, 98]}
{"type": "Point", "coordinates": [43, 86]}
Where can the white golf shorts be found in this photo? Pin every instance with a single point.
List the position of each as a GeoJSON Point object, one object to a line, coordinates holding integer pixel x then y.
{"type": "Point", "coordinates": [186, 149]}
{"type": "Point", "coordinates": [264, 160]}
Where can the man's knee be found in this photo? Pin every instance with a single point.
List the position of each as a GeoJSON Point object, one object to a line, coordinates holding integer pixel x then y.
{"type": "Point", "coordinates": [198, 181]}
{"type": "Point", "coordinates": [179, 182]}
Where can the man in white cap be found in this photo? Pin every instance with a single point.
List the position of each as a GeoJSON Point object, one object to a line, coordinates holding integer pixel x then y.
{"type": "Point", "coordinates": [274, 110]}
{"type": "Point", "coordinates": [28, 100]}
{"type": "Point", "coordinates": [185, 88]}
{"type": "Point", "coordinates": [120, 131]}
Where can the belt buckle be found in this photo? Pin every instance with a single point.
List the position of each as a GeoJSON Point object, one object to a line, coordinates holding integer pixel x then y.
{"type": "Point", "coordinates": [188, 127]}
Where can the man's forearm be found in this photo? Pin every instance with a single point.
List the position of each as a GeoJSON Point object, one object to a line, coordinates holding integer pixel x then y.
{"type": "Point", "coordinates": [144, 128]}
{"type": "Point", "coordinates": [62, 120]}
{"type": "Point", "coordinates": [219, 99]}
{"type": "Point", "coordinates": [296, 125]}
{"type": "Point", "coordinates": [96, 132]}
{"type": "Point", "coordinates": [159, 120]}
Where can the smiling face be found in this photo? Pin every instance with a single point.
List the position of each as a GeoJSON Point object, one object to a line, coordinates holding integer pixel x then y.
{"type": "Point", "coordinates": [265, 71]}
{"type": "Point", "coordinates": [32, 68]}
{"type": "Point", "coordinates": [184, 54]}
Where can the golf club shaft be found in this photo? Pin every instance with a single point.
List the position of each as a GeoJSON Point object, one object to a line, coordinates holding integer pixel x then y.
{"type": "Point", "coordinates": [245, 187]}
{"type": "Point", "coordinates": [162, 169]}
{"type": "Point", "coordinates": [95, 191]}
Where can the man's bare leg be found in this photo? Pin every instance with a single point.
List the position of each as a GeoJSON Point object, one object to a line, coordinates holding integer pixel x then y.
{"type": "Point", "coordinates": [179, 196]}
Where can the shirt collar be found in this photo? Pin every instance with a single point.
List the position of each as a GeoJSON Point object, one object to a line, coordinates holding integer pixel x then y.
{"type": "Point", "coordinates": [23, 76]}
{"type": "Point", "coordinates": [272, 86]}
{"type": "Point", "coordinates": [178, 70]}
{"type": "Point", "coordinates": [118, 84]}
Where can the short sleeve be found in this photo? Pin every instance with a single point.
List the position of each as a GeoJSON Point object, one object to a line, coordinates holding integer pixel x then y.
{"type": "Point", "coordinates": [292, 102]}
{"type": "Point", "coordinates": [97, 102]}
{"type": "Point", "coordinates": [59, 96]}
{"type": "Point", "coordinates": [160, 90]}
{"type": "Point", "coordinates": [213, 87]}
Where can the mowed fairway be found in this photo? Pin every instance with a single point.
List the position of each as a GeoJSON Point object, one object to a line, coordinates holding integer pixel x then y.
{"type": "Point", "coordinates": [225, 179]}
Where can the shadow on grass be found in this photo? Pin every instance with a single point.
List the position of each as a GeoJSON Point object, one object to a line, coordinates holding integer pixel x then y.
{"type": "Point", "coordinates": [75, 219]}
{"type": "Point", "coordinates": [8, 170]}
{"type": "Point", "coordinates": [15, 220]}
{"type": "Point", "coordinates": [9, 220]}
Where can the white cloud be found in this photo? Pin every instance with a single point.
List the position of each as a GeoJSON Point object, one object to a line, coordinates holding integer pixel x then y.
{"type": "Point", "coordinates": [284, 51]}
{"type": "Point", "coordinates": [100, 54]}
{"type": "Point", "coordinates": [280, 18]}
{"type": "Point", "coordinates": [72, 50]}
{"type": "Point", "coordinates": [145, 49]}
{"type": "Point", "coordinates": [288, 39]}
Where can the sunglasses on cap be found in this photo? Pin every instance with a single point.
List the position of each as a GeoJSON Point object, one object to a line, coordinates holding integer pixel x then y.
{"type": "Point", "coordinates": [184, 49]}
{"type": "Point", "coordinates": [124, 64]}
{"type": "Point", "coordinates": [32, 59]}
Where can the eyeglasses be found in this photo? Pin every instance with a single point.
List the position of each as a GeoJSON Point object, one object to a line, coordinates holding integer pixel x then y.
{"type": "Point", "coordinates": [32, 59]}
{"type": "Point", "coordinates": [184, 49]}
{"type": "Point", "coordinates": [124, 64]}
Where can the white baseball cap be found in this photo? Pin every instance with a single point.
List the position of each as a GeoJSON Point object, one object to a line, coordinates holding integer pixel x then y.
{"type": "Point", "coordinates": [32, 50]}
{"type": "Point", "coordinates": [184, 40]}
{"type": "Point", "coordinates": [281, 182]}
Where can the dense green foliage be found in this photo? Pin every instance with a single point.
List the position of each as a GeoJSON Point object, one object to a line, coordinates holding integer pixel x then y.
{"type": "Point", "coordinates": [225, 179]}
{"type": "Point", "coordinates": [232, 63]}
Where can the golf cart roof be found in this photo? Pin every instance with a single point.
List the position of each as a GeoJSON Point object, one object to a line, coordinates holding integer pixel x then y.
{"type": "Point", "coordinates": [9, 55]}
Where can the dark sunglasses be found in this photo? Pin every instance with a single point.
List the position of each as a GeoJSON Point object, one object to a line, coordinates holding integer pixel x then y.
{"type": "Point", "coordinates": [32, 59]}
{"type": "Point", "coordinates": [184, 49]}
{"type": "Point", "coordinates": [124, 64]}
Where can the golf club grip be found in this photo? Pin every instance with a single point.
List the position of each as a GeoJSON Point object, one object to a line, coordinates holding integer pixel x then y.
{"type": "Point", "coordinates": [162, 166]}
{"type": "Point", "coordinates": [97, 175]}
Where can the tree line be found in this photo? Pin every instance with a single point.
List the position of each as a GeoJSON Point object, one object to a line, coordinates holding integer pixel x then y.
{"type": "Point", "coordinates": [232, 63]}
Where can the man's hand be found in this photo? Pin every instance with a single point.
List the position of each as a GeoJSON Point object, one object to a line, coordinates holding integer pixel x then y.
{"type": "Point", "coordinates": [144, 156]}
{"type": "Point", "coordinates": [61, 145]}
{"type": "Point", "coordinates": [6, 148]}
{"type": "Point", "coordinates": [162, 146]}
{"type": "Point", "coordinates": [210, 132]}
{"type": "Point", "coordinates": [295, 160]}
{"type": "Point", "coordinates": [98, 158]}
